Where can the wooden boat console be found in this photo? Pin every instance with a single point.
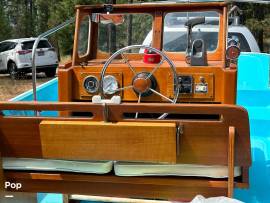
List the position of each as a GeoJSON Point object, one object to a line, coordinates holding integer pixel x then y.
{"type": "Point", "coordinates": [171, 112]}
{"type": "Point", "coordinates": [220, 79]}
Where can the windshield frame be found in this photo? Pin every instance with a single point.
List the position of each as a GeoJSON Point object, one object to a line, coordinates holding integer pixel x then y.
{"type": "Point", "coordinates": [158, 12]}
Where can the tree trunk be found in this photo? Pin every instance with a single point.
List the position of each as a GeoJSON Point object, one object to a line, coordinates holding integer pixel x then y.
{"type": "Point", "coordinates": [259, 14]}
{"type": "Point", "coordinates": [129, 28]}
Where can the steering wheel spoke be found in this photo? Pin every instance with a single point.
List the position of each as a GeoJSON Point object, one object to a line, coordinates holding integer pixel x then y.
{"type": "Point", "coordinates": [124, 88]}
{"type": "Point", "coordinates": [127, 62]}
{"type": "Point", "coordinates": [161, 95]}
{"type": "Point", "coordinates": [139, 101]}
{"type": "Point", "coordinates": [157, 67]}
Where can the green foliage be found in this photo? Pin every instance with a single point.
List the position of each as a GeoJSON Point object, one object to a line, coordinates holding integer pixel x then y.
{"type": "Point", "coordinates": [257, 18]}
{"type": "Point", "coordinates": [5, 28]}
{"type": "Point", "coordinates": [29, 18]}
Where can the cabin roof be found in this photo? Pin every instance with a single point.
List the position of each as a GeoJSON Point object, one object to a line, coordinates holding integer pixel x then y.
{"type": "Point", "coordinates": [160, 5]}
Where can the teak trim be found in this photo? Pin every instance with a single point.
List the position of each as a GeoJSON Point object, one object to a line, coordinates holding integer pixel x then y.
{"type": "Point", "coordinates": [231, 142]}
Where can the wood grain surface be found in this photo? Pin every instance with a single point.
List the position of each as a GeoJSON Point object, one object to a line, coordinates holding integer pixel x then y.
{"type": "Point", "coordinates": [123, 141]}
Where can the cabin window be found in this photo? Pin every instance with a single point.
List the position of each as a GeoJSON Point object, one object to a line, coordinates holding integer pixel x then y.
{"type": "Point", "coordinates": [120, 30]}
{"type": "Point", "coordinates": [83, 42]}
{"type": "Point", "coordinates": [175, 31]}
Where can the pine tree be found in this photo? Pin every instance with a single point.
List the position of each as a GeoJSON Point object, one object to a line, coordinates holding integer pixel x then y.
{"type": "Point", "coordinates": [5, 27]}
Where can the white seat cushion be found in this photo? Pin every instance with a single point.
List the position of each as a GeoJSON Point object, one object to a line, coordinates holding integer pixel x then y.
{"type": "Point", "coordinates": [97, 167]}
{"type": "Point", "coordinates": [148, 169]}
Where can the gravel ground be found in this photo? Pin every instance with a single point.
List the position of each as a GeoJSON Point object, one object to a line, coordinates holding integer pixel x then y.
{"type": "Point", "coordinates": [11, 88]}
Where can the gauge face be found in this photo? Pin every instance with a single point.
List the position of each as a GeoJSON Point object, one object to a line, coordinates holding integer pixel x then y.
{"type": "Point", "coordinates": [110, 84]}
{"type": "Point", "coordinates": [91, 84]}
{"type": "Point", "coordinates": [233, 52]}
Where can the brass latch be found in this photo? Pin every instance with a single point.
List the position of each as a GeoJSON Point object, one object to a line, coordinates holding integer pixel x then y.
{"type": "Point", "coordinates": [179, 133]}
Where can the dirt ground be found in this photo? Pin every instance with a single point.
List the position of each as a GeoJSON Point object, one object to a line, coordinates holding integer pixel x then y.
{"type": "Point", "coordinates": [11, 88]}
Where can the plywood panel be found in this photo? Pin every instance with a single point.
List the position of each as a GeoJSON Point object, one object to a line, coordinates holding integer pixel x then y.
{"type": "Point", "coordinates": [83, 140]}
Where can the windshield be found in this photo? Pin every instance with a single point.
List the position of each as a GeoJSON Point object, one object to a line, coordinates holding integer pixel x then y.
{"type": "Point", "coordinates": [176, 41]}
{"type": "Point", "coordinates": [118, 31]}
{"type": "Point", "coordinates": [175, 31]}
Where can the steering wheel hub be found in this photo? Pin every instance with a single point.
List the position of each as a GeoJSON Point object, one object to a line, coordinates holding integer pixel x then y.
{"type": "Point", "coordinates": [143, 83]}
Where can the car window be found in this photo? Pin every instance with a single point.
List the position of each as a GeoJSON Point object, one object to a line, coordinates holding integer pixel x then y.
{"type": "Point", "coordinates": [29, 44]}
{"type": "Point", "coordinates": [1, 45]}
{"type": "Point", "coordinates": [6, 46]}
{"type": "Point", "coordinates": [244, 46]}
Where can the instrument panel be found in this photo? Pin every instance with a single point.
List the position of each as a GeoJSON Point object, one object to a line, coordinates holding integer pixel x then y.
{"type": "Point", "coordinates": [89, 84]}
{"type": "Point", "coordinates": [196, 86]}
{"type": "Point", "coordinates": [193, 86]}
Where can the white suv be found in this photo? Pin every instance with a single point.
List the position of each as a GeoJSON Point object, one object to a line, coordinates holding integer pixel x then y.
{"type": "Point", "coordinates": [16, 57]}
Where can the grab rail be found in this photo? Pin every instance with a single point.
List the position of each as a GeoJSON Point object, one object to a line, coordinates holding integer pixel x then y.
{"type": "Point", "coordinates": [45, 34]}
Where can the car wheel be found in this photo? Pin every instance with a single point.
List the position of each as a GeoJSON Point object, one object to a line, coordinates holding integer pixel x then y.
{"type": "Point", "coordinates": [13, 71]}
{"type": "Point", "coordinates": [50, 72]}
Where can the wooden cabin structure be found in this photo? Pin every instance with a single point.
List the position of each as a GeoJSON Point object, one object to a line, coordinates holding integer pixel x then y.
{"type": "Point", "coordinates": [177, 111]}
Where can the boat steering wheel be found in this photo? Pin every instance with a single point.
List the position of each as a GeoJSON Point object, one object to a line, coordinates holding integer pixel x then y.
{"type": "Point", "coordinates": [143, 83]}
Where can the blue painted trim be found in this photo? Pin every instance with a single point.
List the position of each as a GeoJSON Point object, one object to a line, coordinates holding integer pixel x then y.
{"type": "Point", "coordinates": [29, 93]}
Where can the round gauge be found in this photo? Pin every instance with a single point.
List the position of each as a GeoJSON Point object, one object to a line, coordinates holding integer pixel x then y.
{"type": "Point", "coordinates": [110, 84]}
{"type": "Point", "coordinates": [233, 52]}
{"type": "Point", "coordinates": [91, 84]}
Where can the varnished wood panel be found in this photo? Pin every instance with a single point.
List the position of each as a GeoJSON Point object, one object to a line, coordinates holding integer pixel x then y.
{"type": "Point", "coordinates": [157, 41]}
{"type": "Point", "coordinates": [65, 85]}
{"type": "Point", "coordinates": [82, 140]}
{"type": "Point", "coordinates": [154, 6]}
{"type": "Point", "coordinates": [172, 188]}
{"type": "Point", "coordinates": [20, 139]}
{"type": "Point", "coordinates": [222, 82]}
{"type": "Point", "coordinates": [231, 150]}
{"type": "Point", "coordinates": [199, 135]}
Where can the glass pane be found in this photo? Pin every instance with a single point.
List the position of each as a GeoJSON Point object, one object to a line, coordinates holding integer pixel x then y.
{"type": "Point", "coordinates": [175, 31]}
{"type": "Point", "coordinates": [132, 30]}
{"type": "Point", "coordinates": [84, 36]}
{"type": "Point", "coordinates": [29, 44]}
